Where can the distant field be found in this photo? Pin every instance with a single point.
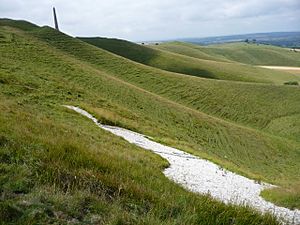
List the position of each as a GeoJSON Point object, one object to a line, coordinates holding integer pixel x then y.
{"type": "Point", "coordinates": [295, 72]}
{"type": "Point", "coordinates": [292, 70]}
{"type": "Point", "coordinates": [206, 66]}
{"type": "Point", "coordinates": [57, 167]}
{"type": "Point", "coordinates": [282, 39]}
{"type": "Point", "coordinates": [285, 68]}
{"type": "Point", "coordinates": [239, 52]}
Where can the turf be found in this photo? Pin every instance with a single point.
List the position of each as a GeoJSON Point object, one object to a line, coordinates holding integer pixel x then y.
{"type": "Point", "coordinates": [254, 54]}
{"type": "Point", "coordinates": [206, 67]}
{"type": "Point", "coordinates": [56, 167]}
{"type": "Point", "coordinates": [257, 106]}
{"type": "Point", "coordinates": [252, 105]}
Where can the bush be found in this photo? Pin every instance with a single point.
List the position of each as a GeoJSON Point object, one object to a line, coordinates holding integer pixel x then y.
{"type": "Point", "coordinates": [291, 83]}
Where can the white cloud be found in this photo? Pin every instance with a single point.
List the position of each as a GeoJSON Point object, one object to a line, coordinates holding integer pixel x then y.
{"type": "Point", "coordinates": [157, 19]}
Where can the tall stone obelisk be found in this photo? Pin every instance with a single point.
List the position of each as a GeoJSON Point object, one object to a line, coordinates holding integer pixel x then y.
{"type": "Point", "coordinates": [55, 19]}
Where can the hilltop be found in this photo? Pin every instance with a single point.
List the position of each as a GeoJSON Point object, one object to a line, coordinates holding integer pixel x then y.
{"type": "Point", "coordinates": [57, 168]}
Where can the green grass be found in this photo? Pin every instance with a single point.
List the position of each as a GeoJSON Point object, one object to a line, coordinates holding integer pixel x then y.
{"type": "Point", "coordinates": [238, 52]}
{"type": "Point", "coordinates": [68, 170]}
{"type": "Point", "coordinates": [200, 67]}
{"type": "Point", "coordinates": [288, 197]}
{"type": "Point", "coordinates": [252, 105]}
{"type": "Point", "coordinates": [248, 104]}
{"type": "Point", "coordinates": [58, 167]}
{"type": "Point", "coordinates": [20, 24]}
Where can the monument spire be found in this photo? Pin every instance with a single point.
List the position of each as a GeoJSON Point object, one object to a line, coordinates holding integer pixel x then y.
{"type": "Point", "coordinates": [55, 19]}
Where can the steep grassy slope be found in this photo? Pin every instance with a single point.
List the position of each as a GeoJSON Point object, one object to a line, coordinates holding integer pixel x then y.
{"type": "Point", "coordinates": [238, 52]}
{"type": "Point", "coordinates": [248, 104]}
{"type": "Point", "coordinates": [69, 170]}
{"type": "Point", "coordinates": [206, 67]}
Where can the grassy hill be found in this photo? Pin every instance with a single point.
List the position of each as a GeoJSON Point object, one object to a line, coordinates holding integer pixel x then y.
{"type": "Point", "coordinates": [57, 167]}
{"type": "Point", "coordinates": [205, 66]}
{"type": "Point", "coordinates": [249, 104]}
{"type": "Point", "coordinates": [239, 52]}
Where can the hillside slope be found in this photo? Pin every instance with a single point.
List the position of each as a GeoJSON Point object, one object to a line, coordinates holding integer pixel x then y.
{"type": "Point", "coordinates": [249, 104]}
{"type": "Point", "coordinates": [56, 167]}
{"type": "Point", "coordinates": [239, 52]}
{"type": "Point", "coordinates": [207, 67]}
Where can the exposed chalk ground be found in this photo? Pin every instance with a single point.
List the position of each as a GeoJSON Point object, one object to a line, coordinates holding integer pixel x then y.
{"type": "Point", "coordinates": [203, 176]}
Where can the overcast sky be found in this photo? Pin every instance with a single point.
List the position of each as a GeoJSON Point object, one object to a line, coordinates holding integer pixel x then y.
{"type": "Point", "coordinates": [139, 20]}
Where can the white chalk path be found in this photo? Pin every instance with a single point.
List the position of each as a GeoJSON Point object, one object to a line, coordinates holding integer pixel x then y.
{"type": "Point", "coordinates": [202, 176]}
{"type": "Point", "coordinates": [281, 67]}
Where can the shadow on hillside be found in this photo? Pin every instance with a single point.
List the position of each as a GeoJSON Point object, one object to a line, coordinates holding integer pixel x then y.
{"type": "Point", "coordinates": [147, 56]}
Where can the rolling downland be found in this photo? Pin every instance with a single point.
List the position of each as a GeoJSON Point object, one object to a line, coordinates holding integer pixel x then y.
{"type": "Point", "coordinates": [56, 167]}
{"type": "Point", "coordinates": [247, 53]}
{"type": "Point", "coordinates": [212, 67]}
